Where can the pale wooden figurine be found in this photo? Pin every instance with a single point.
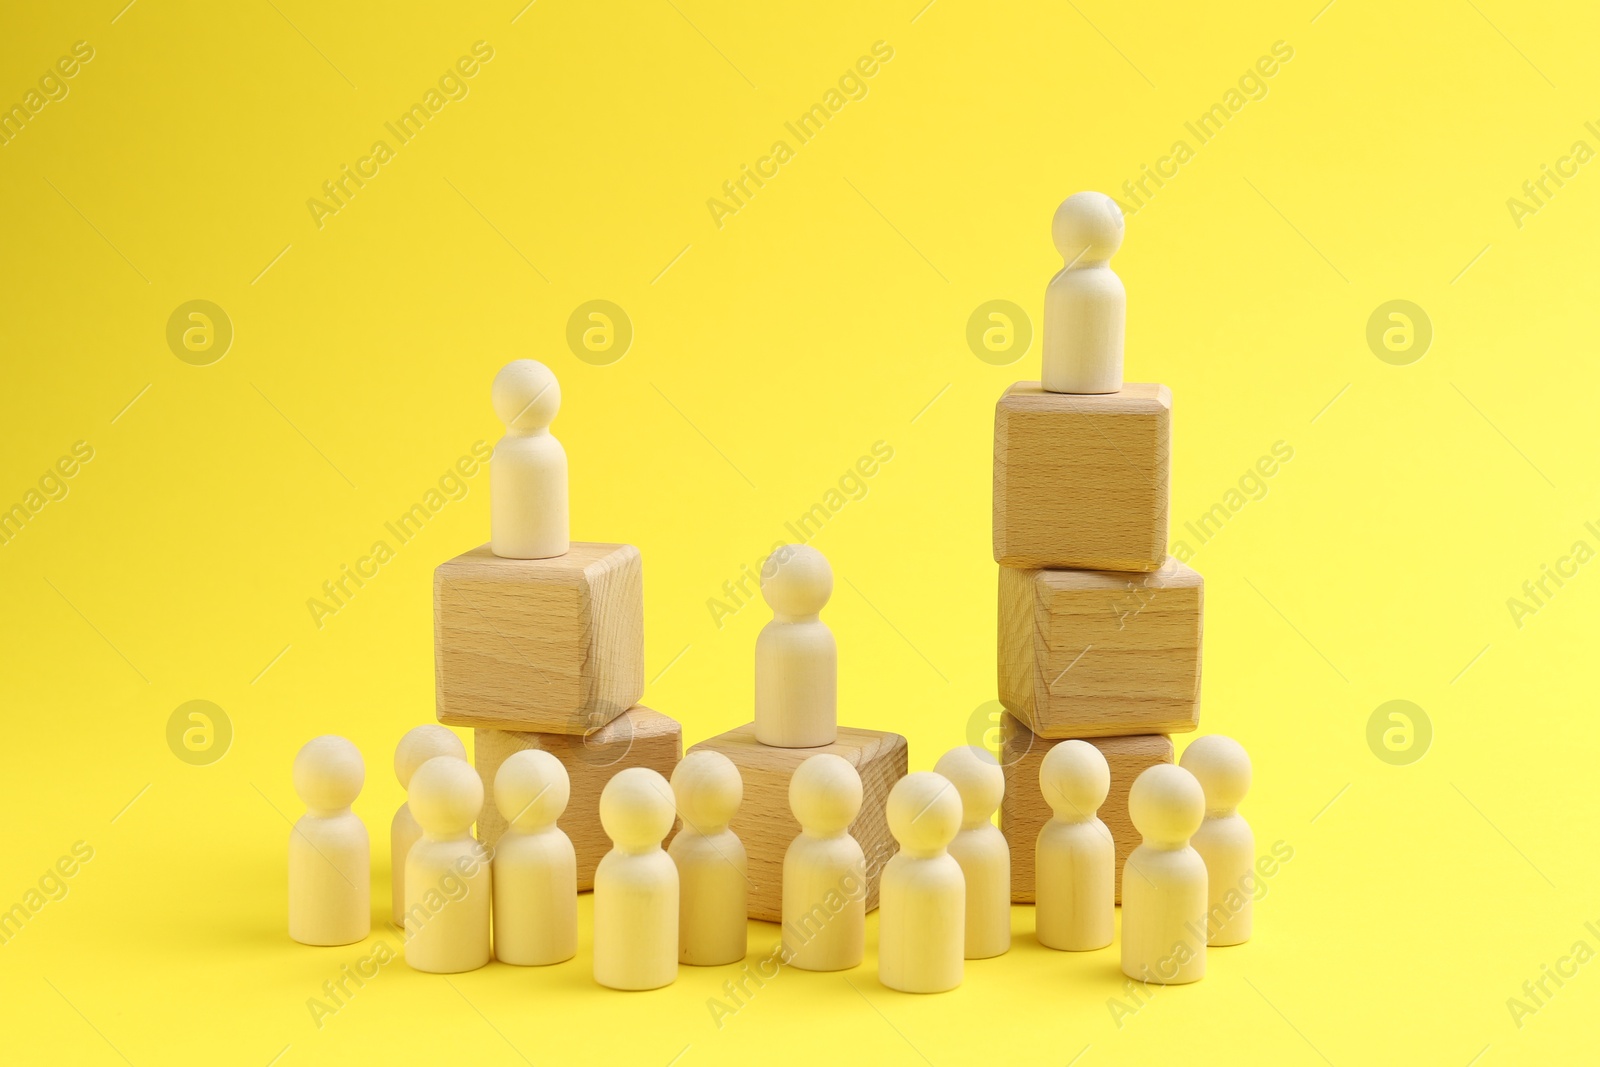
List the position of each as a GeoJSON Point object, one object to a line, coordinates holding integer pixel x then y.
{"type": "Point", "coordinates": [448, 882]}
{"type": "Point", "coordinates": [528, 473]}
{"type": "Point", "coordinates": [535, 866]}
{"type": "Point", "coordinates": [713, 876]}
{"type": "Point", "coordinates": [981, 849]}
{"type": "Point", "coordinates": [1075, 856]}
{"type": "Point", "coordinates": [1164, 880]}
{"type": "Point", "coordinates": [1085, 305]}
{"type": "Point", "coordinates": [1224, 839]}
{"type": "Point", "coordinates": [330, 856]}
{"type": "Point", "coordinates": [797, 661]}
{"type": "Point", "coordinates": [922, 900]}
{"type": "Point", "coordinates": [418, 746]}
{"type": "Point", "coordinates": [636, 885]}
{"type": "Point", "coordinates": [824, 869]}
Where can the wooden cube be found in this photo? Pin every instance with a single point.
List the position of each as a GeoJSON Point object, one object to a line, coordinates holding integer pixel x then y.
{"type": "Point", "coordinates": [1024, 812]}
{"type": "Point", "coordinates": [1081, 481]}
{"type": "Point", "coordinates": [1101, 653]}
{"type": "Point", "coordinates": [638, 738]}
{"type": "Point", "coordinates": [548, 645]}
{"type": "Point", "coordinates": [765, 824]}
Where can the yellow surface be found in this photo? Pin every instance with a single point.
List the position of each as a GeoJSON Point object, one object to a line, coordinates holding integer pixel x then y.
{"type": "Point", "coordinates": [828, 313]}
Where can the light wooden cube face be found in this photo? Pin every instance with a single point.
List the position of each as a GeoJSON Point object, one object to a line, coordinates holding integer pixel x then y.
{"type": "Point", "coordinates": [638, 738]}
{"type": "Point", "coordinates": [1082, 481]}
{"type": "Point", "coordinates": [549, 645]}
{"type": "Point", "coordinates": [1024, 811]}
{"type": "Point", "coordinates": [1098, 653]}
{"type": "Point", "coordinates": [766, 826]}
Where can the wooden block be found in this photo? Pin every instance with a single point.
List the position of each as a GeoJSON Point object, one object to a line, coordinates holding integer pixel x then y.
{"type": "Point", "coordinates": [549, 645]}
{"type": "Point", "coordinates": [765, 824]}
{"type": "Point", "coordinates": [1081, 481]}
{"type": "Point", "coordinates": [639, 738]}
{"type": "Point", "coordinates": [1024, 812]}
{"type": "Point", "coordinates": [1101, 653]}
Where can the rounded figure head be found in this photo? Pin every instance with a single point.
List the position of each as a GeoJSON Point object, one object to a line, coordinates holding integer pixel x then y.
{"type": "Point", "coordinates": [978, 779]}
{"type": "Point", "coordinates": [636, 809]}
{"type": "Point", "coordinates": [446, 796]}
{"type": "Point", "coordinates": [924, 812]}
{"type": "Point", "coordinates": [796, 580]}
{"type": "Point", "coordinates": [421, 744]}
{"type": "Point", "coordinates": [1074, 778]}
{"type": "Point", "coordinates": [825, 794]}
{"type": "Point", "coordinates": [708, 789]}
{"type": "Point", "coordinates": [1222, 767]}
{"type": "Point", "coordinates": [1167, 805]}
{"type": "Point", "coordinates": [531, 789]}
{"type": "Point", "coordinates": [328, 773]}
{"type": "Point", "coordinates": [1087, 228]}
{"type": "Point", "coordinates": [526, 396]}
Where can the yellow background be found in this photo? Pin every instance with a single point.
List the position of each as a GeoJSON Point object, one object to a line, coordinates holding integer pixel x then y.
{"type": "Point", "coordinates": [828, 314]}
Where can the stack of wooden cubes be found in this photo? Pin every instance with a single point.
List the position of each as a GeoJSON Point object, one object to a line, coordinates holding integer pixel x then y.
{"type": "Point", "coordinates": [1099, 629]}
{"type": "Point", "coordinates": [549, 653]}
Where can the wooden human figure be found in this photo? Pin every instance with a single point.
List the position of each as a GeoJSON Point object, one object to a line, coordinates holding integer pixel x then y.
{"type": "Point", "coordinates": [448, 882]}
{"type": "Point", "coordinates": [1164, 880]}
{"type": "Point", "coordinates": [1085, 305]}
{"type": "Point", "coordinates": [713, 877]}
{"type": "Point", "coordinates": [980, 848]}
{"type": "Point", "coordinates": [1075, 862]}
{"type": "Point", "coordinates": [797, 661]}
{"type": "Point", "coordinates": [1224, 839]}
{"type": "Point", "coordinates": [922, 902]}
{"type": "Point", "coordinates": [528, 473]}
{"type": "Point", "coordinates": [535, 867]}
{"type": "Point", "coordinates": [418, 746]}
{"type": "Point", "coordinates": [824, 869]}
{"type": "Point", "coordinates": [636, 885]}
{"type": "Point", "coordinates": [330, 856]}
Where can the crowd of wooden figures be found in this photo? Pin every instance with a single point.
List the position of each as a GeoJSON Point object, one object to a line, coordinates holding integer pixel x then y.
{"type": "Point", "coordinates": [791, 818]}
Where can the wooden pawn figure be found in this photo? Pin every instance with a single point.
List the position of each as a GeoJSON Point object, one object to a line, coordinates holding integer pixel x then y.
{"type": "Point", "coordinates": [528, 472]}
{"type": "Point", "coordinates": [824, 869]}
{"type": "Point", "coordinates": [980, 848]}
{"type": "Point", "coordinates": [1075, 862]}
{"type": "Point", "coordinates": [448, 881]}
{"type": "Point", "coordinates": [330, 856]}
{"type": "Point", "coordinates": [636, 885]}
{"type": "Point", "coordinates": [1085, 305]}
{"type": "Point", "coordinates": [418, 746]}
{"type": "Point", "coordinates": [713, 876]}
{"type": "Point", "coordinates": [922, 898]}
{"type": "Point", "coordinates": [535, 867]}
{"type": "Point", "coordinates": [797, 661]}
{"type": "Point", "coordinates": [1224, 839]}
{"type": "Point", "coordinates": [1164, 880]}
